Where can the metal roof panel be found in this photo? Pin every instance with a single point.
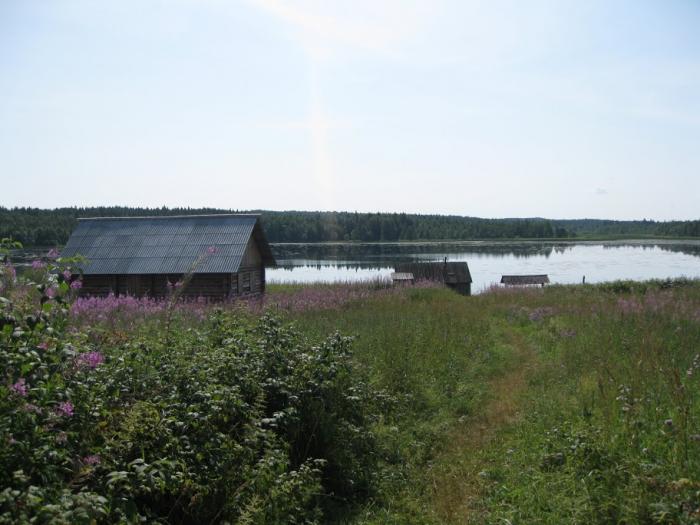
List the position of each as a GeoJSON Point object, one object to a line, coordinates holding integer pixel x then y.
{"type": "Point", "coordinates": [147, 245]}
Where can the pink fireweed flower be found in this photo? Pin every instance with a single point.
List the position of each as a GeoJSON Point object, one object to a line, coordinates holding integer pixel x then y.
{"type": "Point", "coordinates": [43, 345]}
{"type": "Point", "coordinates": [51, 292]}
{"type": "Point", "coordinates": [65, 408]}
{"type": "Point", "coordinates": [53, 253]}
{"type": "Point", "coordinates": [90, 360]}
{"type": "Point", "coordinates": [92, 460]}
{"type": "Point", "coordinates": [20, 387]}
{"type": "Point", "coordinates": [38, 264]}
{"type": "Point", "coordinates": [629, 306]}
{"type": "Point", "coordinates": [31, 407]}
{"type": "Point", "coordinates": [10, 271]}
{"type": "Point", "coordinates": [67, 275]}
{"type": "Point", "coordinates": [77, 284]}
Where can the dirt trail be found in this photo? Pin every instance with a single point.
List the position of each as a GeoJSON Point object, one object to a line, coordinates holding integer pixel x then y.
{"type": "Point", "coordinates": [457, 492]}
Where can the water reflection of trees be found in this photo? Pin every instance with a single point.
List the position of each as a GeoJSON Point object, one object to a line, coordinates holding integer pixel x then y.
{"type": "Point", "coordinates": [384, 251]}
{"type": "Point", "coordinates": [373, 256]}
{"type": "Point", "coordinates": [687, 249]}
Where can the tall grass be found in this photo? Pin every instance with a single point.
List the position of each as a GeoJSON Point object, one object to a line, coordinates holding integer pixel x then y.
{"type": "Point", "coordinates": [563, 404]}
{"type": "Point", "coordinates": [569, 404]}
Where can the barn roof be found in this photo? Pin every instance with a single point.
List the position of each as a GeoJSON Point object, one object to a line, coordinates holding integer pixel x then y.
{"type": "Point", "coordinates": [175, 244]}
{"type": "Point", "coordinates": [446, 272]}
{"type": "Point", "coordinates": [524, 279]}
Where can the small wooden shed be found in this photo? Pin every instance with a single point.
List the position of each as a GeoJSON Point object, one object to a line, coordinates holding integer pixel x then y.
{"type": "Point", "coordinates": [398, 278]}
{"type": "Point", "coordinates": [224, 255]}
{"type": "Point", "coordinates": [525, 280]}
{"type": "Point", "coordinates": [454, 275]}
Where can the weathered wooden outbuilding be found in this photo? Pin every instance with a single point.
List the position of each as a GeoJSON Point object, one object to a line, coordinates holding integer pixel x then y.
{"type": "Point", "coordinates": [223, 256]}
{"type": "Point", "coordinates": [525, 280]}
{"type": "Point", "coordinates": [398, 278]}
{"type": "Point", "coordinates": [454, 275]}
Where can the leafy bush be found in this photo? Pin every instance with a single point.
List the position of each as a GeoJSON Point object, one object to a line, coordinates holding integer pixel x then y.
{"type": "Point", "coordinates": [237, 419]}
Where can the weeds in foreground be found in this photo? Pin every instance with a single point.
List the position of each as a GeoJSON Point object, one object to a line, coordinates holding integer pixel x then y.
{"type": "Point", "coordinates": [558, 405]}
{"type": "Point", "coordinates": [239, 418]}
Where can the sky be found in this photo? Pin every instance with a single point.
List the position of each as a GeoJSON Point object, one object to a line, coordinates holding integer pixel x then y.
{"type": "Point", "coordinates": [505, 108]}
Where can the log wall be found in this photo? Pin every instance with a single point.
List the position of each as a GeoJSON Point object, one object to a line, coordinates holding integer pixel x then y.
{"type": "Point", "coordinates": [250, 280]}
{"type": "Point", "coordinates": [210, 286]}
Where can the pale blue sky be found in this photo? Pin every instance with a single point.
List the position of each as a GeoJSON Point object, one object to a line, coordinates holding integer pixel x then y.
{"type": "Point", "coordinates": [497, 109]}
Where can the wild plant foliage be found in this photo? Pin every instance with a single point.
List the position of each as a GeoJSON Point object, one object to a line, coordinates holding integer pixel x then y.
{"type": "Point", "coordinates": [234, 419]}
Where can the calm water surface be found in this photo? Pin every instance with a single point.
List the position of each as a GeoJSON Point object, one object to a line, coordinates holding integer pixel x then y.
{"type": "Point", "coordinates": [563, 262]}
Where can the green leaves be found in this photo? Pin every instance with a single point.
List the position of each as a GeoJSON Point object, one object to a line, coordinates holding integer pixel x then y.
{"type": "Point", "coordinates": [237, 418]}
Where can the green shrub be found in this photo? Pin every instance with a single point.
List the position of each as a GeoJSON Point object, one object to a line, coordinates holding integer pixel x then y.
{"type": "Point", "coordinates": [236, 419]}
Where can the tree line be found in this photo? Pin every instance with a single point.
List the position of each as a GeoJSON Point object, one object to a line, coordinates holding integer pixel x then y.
{"type": "Point", "coordinates": [43, 227]}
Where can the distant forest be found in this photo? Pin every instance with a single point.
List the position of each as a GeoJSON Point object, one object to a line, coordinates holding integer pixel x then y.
{"type": "Point", "coordinates": [37, 227]}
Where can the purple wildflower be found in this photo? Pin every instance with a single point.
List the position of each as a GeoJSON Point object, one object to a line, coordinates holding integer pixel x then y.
{"type": "Point", "coordinates": [51, 292]}
{"type": "Point", "coordinates": [65, 408]}
{"type": "Point", "coordinates": [53, 253]}
{"type": "Point", "coordinates": [90, 359]}
{"type": "Point", "coordinates": [67, 275]}
{"type": "Point", "coordinates": [38, 264]}
{"type": "Point", "coordinates": [92, 460]}
{"type": "Point", "coordinates": [76, 285]}
{"type": "Point", "coordinates": [31, 407]}
{"type": "Point", "coordinates": [20, 387]}
{"type": "Point", "coordinates": [10, 271]}
{"type": "Point", "coordinates": [212, 250]}
{"type": "Point", "coordinates": [43, 345]}
{"type": "Point", "coordinates": [541, 313]}
{"type": "Point", "coordinates": [629, 306]}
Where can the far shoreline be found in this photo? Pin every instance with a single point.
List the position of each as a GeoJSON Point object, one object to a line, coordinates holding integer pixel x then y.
{"type": "Point", "coordinates": [640, 240]}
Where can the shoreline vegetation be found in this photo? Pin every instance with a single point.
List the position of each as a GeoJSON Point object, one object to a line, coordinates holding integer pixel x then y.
{"type": "Point", "coordinates": [44, 227]}
{"type": "Point", "coordinates": [354, 404]}
{"type": "Point", "coordinates": [514, 240]}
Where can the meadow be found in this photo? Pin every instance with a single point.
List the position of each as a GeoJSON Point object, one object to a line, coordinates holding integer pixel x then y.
{"type": "Point", "coordinates": [350, 404]}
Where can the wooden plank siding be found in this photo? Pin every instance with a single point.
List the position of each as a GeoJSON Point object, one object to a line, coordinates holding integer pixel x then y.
{"type": "Point", "coordinates": [250, 280]}
{"type": "Point", "coordinates": [208, 286]}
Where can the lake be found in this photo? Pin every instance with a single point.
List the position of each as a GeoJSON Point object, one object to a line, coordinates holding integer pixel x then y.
{"type": "Point", "coordinates": [564, 262]}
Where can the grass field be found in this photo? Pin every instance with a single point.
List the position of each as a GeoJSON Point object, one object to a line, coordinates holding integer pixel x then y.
{"type": "Point", "coordinates": [569, 404]}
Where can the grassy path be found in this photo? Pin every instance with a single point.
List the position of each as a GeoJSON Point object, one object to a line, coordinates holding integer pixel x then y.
{"type": "Point", "coordinates": [563, 405]}
{"type": "Point", "coordinates": [457, 494]}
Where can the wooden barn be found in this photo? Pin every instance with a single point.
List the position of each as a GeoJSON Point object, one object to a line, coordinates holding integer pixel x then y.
{"type": "Point", "coordinates": [454, 275]}
{"type": "Point", "coordinates": [226, 255]}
